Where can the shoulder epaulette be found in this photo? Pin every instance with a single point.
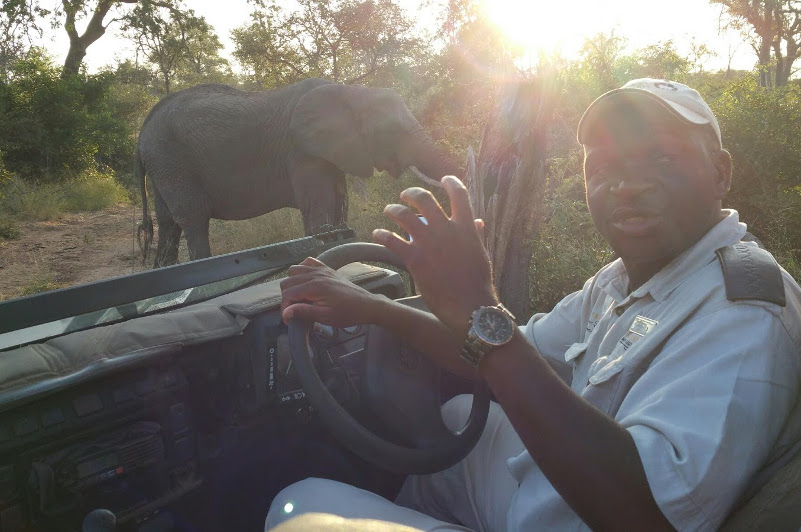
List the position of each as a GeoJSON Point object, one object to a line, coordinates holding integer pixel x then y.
{"type": "Point", "coordinates": [750, 272]}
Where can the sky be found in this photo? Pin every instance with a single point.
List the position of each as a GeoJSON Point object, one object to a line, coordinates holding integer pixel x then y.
{"type": "Point", "coordinates": [539, 25]}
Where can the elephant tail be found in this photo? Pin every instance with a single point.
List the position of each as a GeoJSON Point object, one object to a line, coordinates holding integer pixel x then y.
{"type": "Point", "coordinates": [146, 227]}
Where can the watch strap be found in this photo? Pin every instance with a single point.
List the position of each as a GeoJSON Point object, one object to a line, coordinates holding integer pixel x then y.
{"type": "Point", "coordinates": [474, 348]}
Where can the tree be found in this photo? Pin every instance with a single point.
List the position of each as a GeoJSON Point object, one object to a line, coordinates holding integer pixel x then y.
{"type": "Point", "coordinates": [179, 43]}
{"type": "Point", "coordinates": [57, 128]}
{"type": "Point", "coordinates": [459, 84]}
{"type": "Point", "coordinates": [773, 29]}
{"type": "Point", "coordinates": [660, 60]}
{"type": "Point", "coordinates": [74, 10]}
{"type": "Point", "coordinates": [18, 21]}
{"type": "Point", "coordinates": [347, 41]}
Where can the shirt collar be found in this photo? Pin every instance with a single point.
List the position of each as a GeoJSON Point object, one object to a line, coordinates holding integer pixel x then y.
{"type": "Point", "coordinates": [614, 279]}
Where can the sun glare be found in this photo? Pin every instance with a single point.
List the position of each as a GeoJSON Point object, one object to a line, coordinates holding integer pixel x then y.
{"type": "Point", "coordinates": [537, 27]}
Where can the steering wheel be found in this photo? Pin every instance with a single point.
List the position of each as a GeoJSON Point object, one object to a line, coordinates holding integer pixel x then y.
{"type": "Point", "coordinates": [401, 386]}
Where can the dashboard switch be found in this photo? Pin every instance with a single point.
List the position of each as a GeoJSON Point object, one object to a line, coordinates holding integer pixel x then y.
{"type": "Point", "coordinates": [25, 425]}
{"type": "Point", "coordinates": [87, 404]}
{"type": "Point", "coordinates": [178, 417]}
{"type": "Point", "coordinates": [51, 417]}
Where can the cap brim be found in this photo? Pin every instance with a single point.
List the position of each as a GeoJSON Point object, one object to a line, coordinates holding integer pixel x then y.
{"type": "Point", "coordinates": [644, 101]}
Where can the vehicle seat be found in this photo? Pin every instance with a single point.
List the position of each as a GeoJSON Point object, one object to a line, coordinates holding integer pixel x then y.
{"type": "Point", "coordinates": [775, 507]}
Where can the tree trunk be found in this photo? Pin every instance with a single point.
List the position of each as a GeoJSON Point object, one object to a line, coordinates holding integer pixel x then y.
{"type": "Point", "coordinates": [507, 183]}
{"type": "Point", "coordinates": [94, 30]}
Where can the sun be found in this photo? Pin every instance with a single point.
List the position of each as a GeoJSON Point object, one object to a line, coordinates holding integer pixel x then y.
{"type": "Point", "coordinates": [536, 26]}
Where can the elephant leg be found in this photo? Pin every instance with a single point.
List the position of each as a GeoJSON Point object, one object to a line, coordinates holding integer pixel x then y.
{"type": "Point", "coordinates": [191, 210]}
{"type": "Point", "coordinates": [169, 234]}
{"type": "Point", "coordinates": [197, 239]}
{"type": "Point", "coordinates": [321, 194]}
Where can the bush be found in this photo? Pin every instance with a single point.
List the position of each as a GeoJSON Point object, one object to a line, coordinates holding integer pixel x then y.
{"type": "Point", "coordinates": [56, 129]}
{"type": "Point", "coordinates": [8, 228]}
{"type": "Point", "coordinates": [25, 201]}
{"type": "Point", "coordinates": [569, 249]}
{"type": "Point", "coordinates": [94, 192]}
{"type": "Point", "coordinates": [762, 130]}
{"type": "Point", "coordinates": [38, 285]}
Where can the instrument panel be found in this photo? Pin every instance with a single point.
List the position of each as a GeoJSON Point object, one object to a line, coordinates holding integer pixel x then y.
{"type": "Point", "coordinates": [138, 440]}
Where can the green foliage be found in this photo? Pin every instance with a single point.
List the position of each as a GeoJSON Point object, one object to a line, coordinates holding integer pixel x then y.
{"type": "Point", "coordinates": [569, 250]}
{"type": "Point", "coordinates": [762, 130]}
{"type": "Point", "coordinates": [347, 41]}
{"type": "Point", "coordinates": [8, 228]}
{"type": "Point", "coordinates": [21, 200]}
{"type": "Point", "coordinates": [24, 201]}
{"type": "Point", "coordinates": [38, 285]}
{"type": "Point", "coordinates": [58, 128]}
{"type": "Point", "coordinates": [94, 192]}
{"type": "Point", "coordinates": [773, 29]}
{"type": "Point", "coordinates": [182, 47]}
{"type": "Point", "coordinates": [227, 236]}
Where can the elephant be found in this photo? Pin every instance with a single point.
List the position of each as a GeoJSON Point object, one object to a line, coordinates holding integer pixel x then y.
{"type": "Point", "coordinates": [213, 151]}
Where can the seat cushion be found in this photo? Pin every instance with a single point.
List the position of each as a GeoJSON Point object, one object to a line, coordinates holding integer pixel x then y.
{"type": "Point", "coordinates": [775, 507]}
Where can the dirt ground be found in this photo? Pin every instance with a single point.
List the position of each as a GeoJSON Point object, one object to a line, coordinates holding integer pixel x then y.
{"type": "Point", "coordinates": [78, 248]}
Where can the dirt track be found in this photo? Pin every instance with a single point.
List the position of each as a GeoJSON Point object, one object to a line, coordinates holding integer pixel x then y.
{"type": "Point", "coordinates": [78, 248]}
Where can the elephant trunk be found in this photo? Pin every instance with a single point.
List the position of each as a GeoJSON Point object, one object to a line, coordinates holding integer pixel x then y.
{"type": "Point", "coordinates": [429, 165]}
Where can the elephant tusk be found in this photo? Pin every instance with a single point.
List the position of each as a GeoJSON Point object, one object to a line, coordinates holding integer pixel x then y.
{"type": "Point", "coordinates": [424, 178]}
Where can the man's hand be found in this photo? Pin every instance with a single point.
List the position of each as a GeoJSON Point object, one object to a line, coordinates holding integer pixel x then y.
{"type": "Point", "coordinates": [315, 292]}
{"type": "Point", "coordinates": [446, 257]}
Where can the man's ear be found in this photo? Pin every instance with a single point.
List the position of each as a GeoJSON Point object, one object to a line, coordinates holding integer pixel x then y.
{"type": "Point", "coordinates": [722, 162]}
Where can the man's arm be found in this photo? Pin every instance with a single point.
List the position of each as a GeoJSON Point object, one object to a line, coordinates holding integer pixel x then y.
{"type": "Point", "coordinates": [314, 292]}
{"type": "Point", "coordinates": [589, 458]}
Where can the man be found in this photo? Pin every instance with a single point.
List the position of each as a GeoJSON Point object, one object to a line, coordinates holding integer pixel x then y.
{"type": "Point", "coordinates": [681, 370]}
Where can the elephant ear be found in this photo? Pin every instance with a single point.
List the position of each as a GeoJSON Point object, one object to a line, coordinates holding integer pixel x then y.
{"type": "Point", "coordinates": [325, 125]}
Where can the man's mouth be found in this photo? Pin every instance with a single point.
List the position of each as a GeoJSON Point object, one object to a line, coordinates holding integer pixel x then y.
{"type": "Point", "coordinates": [634, 222]}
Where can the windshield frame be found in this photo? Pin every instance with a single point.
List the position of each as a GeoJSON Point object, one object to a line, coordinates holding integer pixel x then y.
{"type": "Point", "coordinates": [65, 303]}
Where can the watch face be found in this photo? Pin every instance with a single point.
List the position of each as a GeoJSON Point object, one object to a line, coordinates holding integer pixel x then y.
{"type": "Point", "coordinates": [493, 326]}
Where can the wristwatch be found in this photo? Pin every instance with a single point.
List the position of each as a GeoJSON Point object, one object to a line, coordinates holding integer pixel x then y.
{"type": "Point", "coordinates": [490, 327]}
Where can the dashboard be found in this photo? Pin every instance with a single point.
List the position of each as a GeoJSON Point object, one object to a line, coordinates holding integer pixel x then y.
{"type": "Point", "coordinates": [197, 438]}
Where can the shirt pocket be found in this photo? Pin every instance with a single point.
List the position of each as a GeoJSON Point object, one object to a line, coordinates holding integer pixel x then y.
{"type": "Point", "coordinates": [624, 353]}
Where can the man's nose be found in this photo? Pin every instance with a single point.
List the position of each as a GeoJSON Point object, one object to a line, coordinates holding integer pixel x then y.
{"type": "Point", "coordinates": [631, 182]}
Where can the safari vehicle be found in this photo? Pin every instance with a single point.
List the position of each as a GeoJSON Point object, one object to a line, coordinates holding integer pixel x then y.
{"type": "Point", "coordinates": [176, 399]}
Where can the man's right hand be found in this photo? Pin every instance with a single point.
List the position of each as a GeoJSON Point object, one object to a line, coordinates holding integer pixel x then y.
{"type": "Point", "coordinates": [315, 292]}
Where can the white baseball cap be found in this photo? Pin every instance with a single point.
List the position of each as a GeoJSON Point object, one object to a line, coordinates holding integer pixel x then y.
{"type": "Point", "coordinates": [678, 99]}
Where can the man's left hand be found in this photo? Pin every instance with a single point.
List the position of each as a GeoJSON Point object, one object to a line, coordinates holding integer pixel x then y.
{"type": "Point", "coordinates": [446, 257]}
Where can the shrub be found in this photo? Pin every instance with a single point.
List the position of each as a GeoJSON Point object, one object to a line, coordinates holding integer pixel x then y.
{"type": "Point", "coordinates": [8, 228]}
{"type": "Point", "coordinates": [56, 128]}
{"type": "Point", "coordinates": [25, 201]}
{"type": "Point", "coordinates": [38, 285]}
{"type": "Point", "coordinates": [95, 192]}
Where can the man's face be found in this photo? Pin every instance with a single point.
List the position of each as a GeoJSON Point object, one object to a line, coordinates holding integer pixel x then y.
{"type": "Point", "coordinates": [654, 188]}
